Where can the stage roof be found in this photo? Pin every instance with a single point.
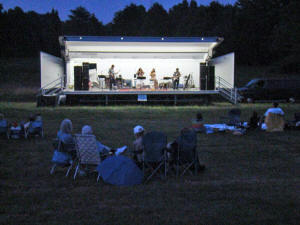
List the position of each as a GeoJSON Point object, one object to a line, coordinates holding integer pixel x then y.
{"type": "Point", "coordinates": [140, 39]}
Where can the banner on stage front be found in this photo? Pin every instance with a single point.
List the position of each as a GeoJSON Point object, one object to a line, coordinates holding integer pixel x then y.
{"type": "Point", "coordinates": [142, 98]}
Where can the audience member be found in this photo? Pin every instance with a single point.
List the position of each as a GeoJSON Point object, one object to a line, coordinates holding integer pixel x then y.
{"type": "Point", "coordinates": [254, 121]}
{"type": "Point", "coordinates": [138, 147]}
{"type": "Point", "coordinates": [275, 110]}
{"type": "Point", "coordinates": [274, 118]}
{"type": "Point", "coordinates": [64, 135]}
{"type": "Point", "coordinates": [197, 124]}
{"type": "Point", "coordinates": [103, 149]}
{"type": "Point", "coordinates": [3, 121]}
{"type": "Point", "coordinates": [65, 132]}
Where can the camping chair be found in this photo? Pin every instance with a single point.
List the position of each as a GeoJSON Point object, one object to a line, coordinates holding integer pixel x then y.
{"type": "Point", "coordinates": [16, 131]}
{"type": "Point", "coordinates": [4, 129]}
{"type": "Point", "coordinates": [35, 129]}
{"type": "Point", "coordinates": [87, 152]}
{"type": "Point", "coordinates": [187, 155]}
{"type": "Point", "coordinates": [297, 117]}
{"type": "Point", "coordinates": [63, 148]}
{"type": "Point", "coordinates": [154, 153]}
{"type": "Point", "coordinates": [233, 118]}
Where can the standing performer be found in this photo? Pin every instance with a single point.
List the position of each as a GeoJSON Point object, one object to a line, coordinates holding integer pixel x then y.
{"type": "Point", "coordinates": [153, 78]}
{"type": "Point", "coordinates": [140, 72]}
{"type": "Point", "coordinates": [111, 74]}
{"type": "Point", "coordinates": [176, 77]}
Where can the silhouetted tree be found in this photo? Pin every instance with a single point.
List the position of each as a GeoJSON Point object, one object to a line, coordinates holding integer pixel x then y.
{"type": "Point", "coordinates": [129, 21]}
{"type": "Point", "coordinates": [156, 21]}
{"type": "Point", "coordinates": [81, 22]}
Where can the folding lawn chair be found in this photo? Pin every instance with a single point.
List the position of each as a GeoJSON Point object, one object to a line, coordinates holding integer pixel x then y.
{"type": "Point", "coordinates": [35, 128]}
{"type": "Point", "coordinates": [154, 153]}
{"type": "Point", "coordinates": [87, 152]}
{"type": "Point", "coordinates": [16, 131]}
{"type": "Point", "coordinates": [187, 155]}
{"type": "Point", "coordinates": [233, 118]}
{"type": "Point", "coordinates": [61, 158]}
{"type": "Point", "coordinates": [4, 128]}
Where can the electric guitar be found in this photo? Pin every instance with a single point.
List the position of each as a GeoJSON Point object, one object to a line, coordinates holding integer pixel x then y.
{"type": "Point", "coordinates": [176, 76]}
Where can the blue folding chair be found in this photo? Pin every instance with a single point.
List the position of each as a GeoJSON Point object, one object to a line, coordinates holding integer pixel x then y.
{"type": "Point", "coordinates": [154, 153]}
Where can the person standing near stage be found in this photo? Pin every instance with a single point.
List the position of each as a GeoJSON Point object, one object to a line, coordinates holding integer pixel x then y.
{"type": "Point", "coordinates": [111, 74]}
{"type": "Point", "coordinates": [176, 77]}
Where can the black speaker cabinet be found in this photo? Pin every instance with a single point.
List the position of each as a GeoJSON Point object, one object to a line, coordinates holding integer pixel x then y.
{"type": "Point", "coordinates": [77, 77]}
{"type": "Point", "coordinates": [207, 77]}
{"type": "Point", "coordinates": [211, 78]}
{"type": "Point", "coordinates": [85, 76]}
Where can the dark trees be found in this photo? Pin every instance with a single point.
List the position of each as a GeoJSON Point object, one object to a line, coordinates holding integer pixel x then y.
{"type": "Point", "coordinates": [260, 32]}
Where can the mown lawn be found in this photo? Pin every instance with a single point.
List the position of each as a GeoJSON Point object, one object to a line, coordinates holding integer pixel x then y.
{"type": "Point", "coordinates": [250, 179]}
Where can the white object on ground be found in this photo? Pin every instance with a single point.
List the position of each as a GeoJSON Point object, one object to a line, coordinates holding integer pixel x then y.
{"type": "Point", "coordinates": [119, 151]}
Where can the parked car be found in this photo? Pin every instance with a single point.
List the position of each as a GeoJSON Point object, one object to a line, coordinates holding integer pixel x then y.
{"type": "Point", "coordinates": [271, 89]}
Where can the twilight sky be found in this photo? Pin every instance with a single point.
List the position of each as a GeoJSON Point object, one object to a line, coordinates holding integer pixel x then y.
{"type": "Point", "coordinates": [103, 9]}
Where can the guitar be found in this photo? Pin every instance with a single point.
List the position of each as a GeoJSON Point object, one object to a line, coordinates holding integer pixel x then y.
{"type": "Point", "coordinates": [176, 76]}
{"type": "Point", "coordinates": [112, 74]}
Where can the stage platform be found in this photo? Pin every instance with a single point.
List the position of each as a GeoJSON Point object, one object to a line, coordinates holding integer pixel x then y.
{"type": "Point", "coordinates": [136, 96]}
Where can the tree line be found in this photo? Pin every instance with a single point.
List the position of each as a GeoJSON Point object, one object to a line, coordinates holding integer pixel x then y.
{"type": "Point", "coordinates": [260, 32]}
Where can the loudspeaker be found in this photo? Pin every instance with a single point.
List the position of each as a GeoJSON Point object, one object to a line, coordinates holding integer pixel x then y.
{"type": "Point", "coordinates": [207, 77]}
{"type": "Point", "coordinates": [77, 77]}
{"type": "Point", "coordinates": [211, 78]}
{"type": "Point", "coordinates": [85, 76]}
{"type": "Point", "coordinates": [203, 76]}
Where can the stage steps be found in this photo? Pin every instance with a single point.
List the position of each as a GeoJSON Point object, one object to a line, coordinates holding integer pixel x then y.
{"type": "Point", "coordinates": [227, 91]}
{"type": "Point", "coordinates": [50, 93]}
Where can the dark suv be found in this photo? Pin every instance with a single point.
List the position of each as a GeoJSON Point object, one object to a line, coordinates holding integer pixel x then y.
{"type": "Point", "coordinates": [271, 89]}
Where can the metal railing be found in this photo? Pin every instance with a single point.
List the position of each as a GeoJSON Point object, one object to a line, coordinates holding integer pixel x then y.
{"type": "Point", "coordinates": [227, 90]}
{"type": "Point", "coordinates": [52, 88]}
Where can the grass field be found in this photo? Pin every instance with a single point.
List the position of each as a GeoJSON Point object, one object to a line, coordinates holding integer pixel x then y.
{"type": "Point", "coordinates": [250, 179]}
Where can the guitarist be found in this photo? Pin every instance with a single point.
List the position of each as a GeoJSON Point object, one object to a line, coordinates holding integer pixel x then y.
{"type": "Point", "coordinates": [111, 74]}
{"type": "Point", "coordinates": [176, 77]}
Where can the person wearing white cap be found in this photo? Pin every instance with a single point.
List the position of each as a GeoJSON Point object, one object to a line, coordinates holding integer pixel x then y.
{"type": "Point", "coordinates": [103, 149]}
{"type": "Point", "coordinates": [138, 144]}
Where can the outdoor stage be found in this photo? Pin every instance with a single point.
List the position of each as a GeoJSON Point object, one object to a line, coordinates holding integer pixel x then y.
{"type": "Point", "coordinates": [136, 96]}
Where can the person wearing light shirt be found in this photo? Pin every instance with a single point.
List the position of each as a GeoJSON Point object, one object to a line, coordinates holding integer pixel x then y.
{"type": "Point", "coordinates": [275, 110]}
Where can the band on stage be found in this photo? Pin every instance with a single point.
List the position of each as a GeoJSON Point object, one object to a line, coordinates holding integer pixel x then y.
{"type": "Point", "coordinates": [113, 81]}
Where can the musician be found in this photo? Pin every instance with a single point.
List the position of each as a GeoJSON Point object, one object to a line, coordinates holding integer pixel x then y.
{"type": "Point", "coordinates": [140, 73]}
{"type": "Point", "coordinates": [153, 78]}
{"type": "Point", "coordinates": [176, 77]}
{"type": "Point", "coordinates": [111, 74]}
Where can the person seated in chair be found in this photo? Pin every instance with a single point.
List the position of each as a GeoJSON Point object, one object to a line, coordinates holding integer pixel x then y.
{"type": "Point", "coordinates": [173, 151]}
{"type": "Point", "coordinates": [275, 110]}
{"type": "Point", "coordinates": [254, 121]}
{"type": "Point", "coordinates": [3, 121]}
{"type": "Point", "coordinates": [34, 125]}
{"type": "Point", "coordinates": [64, 135]}
{"type": "Point", "coordinates": [197, 124]}
{"type": "Point", "coordinates": [103, 149]}
{"type": "Point", "coordinates": [65, 132]}
{"type": "Point", "coordinates": [30, 120]}
{"type": "Point", "coordinates": [273, 118]}
{"type": "Point", "coordinates": [138, 147]}
{"type": "Point", "coordinates": [3, 124]}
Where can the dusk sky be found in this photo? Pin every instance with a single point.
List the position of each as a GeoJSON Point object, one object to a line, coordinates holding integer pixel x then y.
{"type": "Point", "coordinates": [103, 9]}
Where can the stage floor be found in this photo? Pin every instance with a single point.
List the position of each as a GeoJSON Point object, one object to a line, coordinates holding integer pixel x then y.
{"type": "Point", "coordinates": [134, 91]}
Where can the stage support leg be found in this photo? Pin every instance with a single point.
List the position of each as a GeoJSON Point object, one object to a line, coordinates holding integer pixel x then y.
{"type": "Point", "coordinates": [106, 99]}
{"type": "Point", "coordinates": [175, 99]}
